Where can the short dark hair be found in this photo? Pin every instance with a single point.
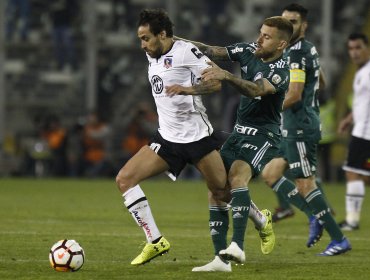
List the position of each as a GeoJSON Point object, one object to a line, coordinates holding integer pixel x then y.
{"type": "Point", "coordinates": [158, 20]}
{"type": "Point", "coordinates": [282, 24]}
{"type": "Point", "coordinates": [294, 7]}
{"type": "Point", "coordinates": [358, 36]}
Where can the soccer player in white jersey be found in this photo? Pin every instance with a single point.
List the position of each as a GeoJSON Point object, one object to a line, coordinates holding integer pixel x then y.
{"type": "Point", "coordinates": [185, 135]}
{"type": "Point", "coordinates": [357, 166]}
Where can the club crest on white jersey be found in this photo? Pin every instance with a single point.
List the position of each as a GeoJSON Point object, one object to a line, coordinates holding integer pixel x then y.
{"type": "Point", "coordinates": [182, 118]}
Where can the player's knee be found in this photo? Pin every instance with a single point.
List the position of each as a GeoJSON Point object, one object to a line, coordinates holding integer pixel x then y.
{"type": "Point", "coordinates": [236, 181]}
{"type": "Point", "coordinates": [269, 177]}
{"type": "Point", "coordinates": [123, 180]}
{"type": "Point", "coordinates": [305, 186]}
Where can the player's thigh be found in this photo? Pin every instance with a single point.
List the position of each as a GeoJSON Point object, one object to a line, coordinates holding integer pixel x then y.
{"type": "Point", "coordinates": [144, 164]}
{"type": "Point", "coordinates": [213, 170]}
{"type": "Point", "coordinates": [301, 156]}
{"type": "Point", "coordinates": [274, 170]}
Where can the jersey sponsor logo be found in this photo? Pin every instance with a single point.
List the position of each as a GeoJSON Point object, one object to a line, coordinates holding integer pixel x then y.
{"type": "Point", "coordinates": [237, 215]}
{"type": "Point", "coordinates": [321, 214]}
{"type": "Point", "coordinates": [252, 47]}
{"type": "Point", "coordinates": [276, 79]}
{"type": "Point", "coordinates": [157, 84]}
{"type": "Point", "coordinates": [278, 64]}
{"type": "Point", "coordinates": [250, 146]}
{"type": "Point", "coordinates": [240, 208]}
{"type": "Point", "coordinates": [258, 76]}
{"type": "Point", "coordinates": [155, 147]}
{"type": "Point", "coordinates": [313, 51]}
{"type": "Point", "coordinates": [245, 69]}
{"type": "Point", "coordinates": [245, 129]}
{"type": "Point", "coordinates": [303, 63]}
{"type": "Point", "coordinates": [197, 53]}
{"type": "Point", "coordinates": [167, 62]}
{"type": "Point", "coordinates": [293, 192]}
{"type": "Point", "coordinates": [142, 223]}
{"type": "Point", "coordinates": [215, 223]}
{"type": "Point", "coordinates": [294, 65]}
{"type": "Point", "coordinates": [236, 50]}
{"type": "Point", "coordinates": [294, 165]}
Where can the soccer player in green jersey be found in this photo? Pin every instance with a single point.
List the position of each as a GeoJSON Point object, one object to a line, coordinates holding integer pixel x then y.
{"type": "Point", "coordinates": [301, 134]}
{"type": "Point", "coordinates": [256, 136]}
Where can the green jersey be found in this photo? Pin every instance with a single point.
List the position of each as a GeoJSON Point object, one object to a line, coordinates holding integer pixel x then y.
{"type": "Point", "coordinates": [263, 112]}
{"type": "Point", "coordinates": [302, 120]}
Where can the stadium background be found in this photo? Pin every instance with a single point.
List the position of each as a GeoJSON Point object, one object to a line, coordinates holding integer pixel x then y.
{"type": "Point", "coordinates": [104, 70]}
{"type": "Point", "coordinates": [108, 74]}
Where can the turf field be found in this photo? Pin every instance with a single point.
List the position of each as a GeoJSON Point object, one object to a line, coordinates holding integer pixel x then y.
{"type": "Point", "coordinates": [35, 213]}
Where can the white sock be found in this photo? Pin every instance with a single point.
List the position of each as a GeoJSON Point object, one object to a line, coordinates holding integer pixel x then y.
{"type": "Point", "coordinates": [138, 206]}
{"type": "Point", "coordinates": [354, 198]}
{"type": "Point", "coordinates": [256, 216]}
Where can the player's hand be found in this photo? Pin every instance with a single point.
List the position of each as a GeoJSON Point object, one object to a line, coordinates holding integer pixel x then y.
{"type": "Point", "coordinates": [214, 72]}
{"type": "Point", "coordinates": [344, 125]}
{"type": "Point", "coordinates": [177, 90]}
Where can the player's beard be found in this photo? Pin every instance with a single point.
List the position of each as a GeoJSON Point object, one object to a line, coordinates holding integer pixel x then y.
{"type": "Point", "coordinates": [263, 54]}
{"type": "Point", "coordinates": [296, 35]}
{"type": "Point", "coordinates": [156, 51]}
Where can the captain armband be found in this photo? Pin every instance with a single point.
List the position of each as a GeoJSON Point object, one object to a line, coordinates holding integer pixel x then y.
{"type": "Point", "coordinates": [297, 76]}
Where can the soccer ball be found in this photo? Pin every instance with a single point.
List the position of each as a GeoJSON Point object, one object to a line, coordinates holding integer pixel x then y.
{"type": "Point", "coordinates": [66, 255]}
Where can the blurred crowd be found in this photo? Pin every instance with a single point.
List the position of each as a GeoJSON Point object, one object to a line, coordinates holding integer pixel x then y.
{"type": "Point", "coordinates": [84, 149]}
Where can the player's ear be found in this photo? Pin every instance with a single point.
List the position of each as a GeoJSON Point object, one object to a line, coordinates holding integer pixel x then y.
{"type": "Point", "coordinates": [283, 44]}
{"type": "Point", "coordinates": [304, 26]}
{"type": "Point", "coordinates": [163, 34]}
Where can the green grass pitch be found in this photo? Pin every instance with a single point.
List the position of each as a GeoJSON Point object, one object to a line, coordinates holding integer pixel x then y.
{"type": "Point", "coordinates": [35, 213]}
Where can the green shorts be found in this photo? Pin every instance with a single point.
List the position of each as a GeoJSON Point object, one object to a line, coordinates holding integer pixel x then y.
{"type": "Point", "coordinates": [301, 156]}
{"type": "Point", "coordinates": [256, 150]}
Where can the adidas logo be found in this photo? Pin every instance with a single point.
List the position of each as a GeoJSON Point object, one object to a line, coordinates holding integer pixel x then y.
{"type": "Point", "coordinates": [214, 232]}
{"type": "Point", "coordinates": [237, 215]}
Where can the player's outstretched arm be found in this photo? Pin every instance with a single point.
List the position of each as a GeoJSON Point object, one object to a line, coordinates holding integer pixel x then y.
{"type": "Point", "coordinates": [205, 87]}
{"type": "Point", "coordinates": [213, 52]}
{"type": "Point", "coordinates": [260, 87]}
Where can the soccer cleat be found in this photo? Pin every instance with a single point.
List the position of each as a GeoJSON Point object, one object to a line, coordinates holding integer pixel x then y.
{"type": "Point", "coordinates": [281, 214]}
{"type": "Point", "coordinates": [233, 253]}
{"type": "Point", "coordinates": [267, 234]}
{"type": "Point", "coordinates": [337, 248]}
{"type": "Point", "coordinates": [348, 227]}
{"type": "Point", "coordinates": [316, 230]}
{"type": "Point", "coordinates": [151, 251]}
{"type": "Point", "coordinates": [216, 265]}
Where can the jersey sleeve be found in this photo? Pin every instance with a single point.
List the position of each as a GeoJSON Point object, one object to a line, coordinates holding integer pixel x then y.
{"type": "Point", "coordinates": [297, 65]}
{"type": "Point", "coordinates": [241, 52]}
{"type": "Point", "coordinates": [279, 78]}
{"type": "Point", "coordinates": [195, 61]}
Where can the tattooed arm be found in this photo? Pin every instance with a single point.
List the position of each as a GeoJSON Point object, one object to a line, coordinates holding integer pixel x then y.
{"type": "Point", "coordinates": [205, 87]}
{"type": "Point", "coordinates": [250, 89]}
{"type": "Point", "coordinates": [213, 52]}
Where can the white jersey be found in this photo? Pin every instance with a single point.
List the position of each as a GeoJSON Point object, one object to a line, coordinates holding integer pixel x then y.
{"type": "Point", "coordinates": [182, 118]}
{"type": "Point", "coordinates": [361, 103]}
